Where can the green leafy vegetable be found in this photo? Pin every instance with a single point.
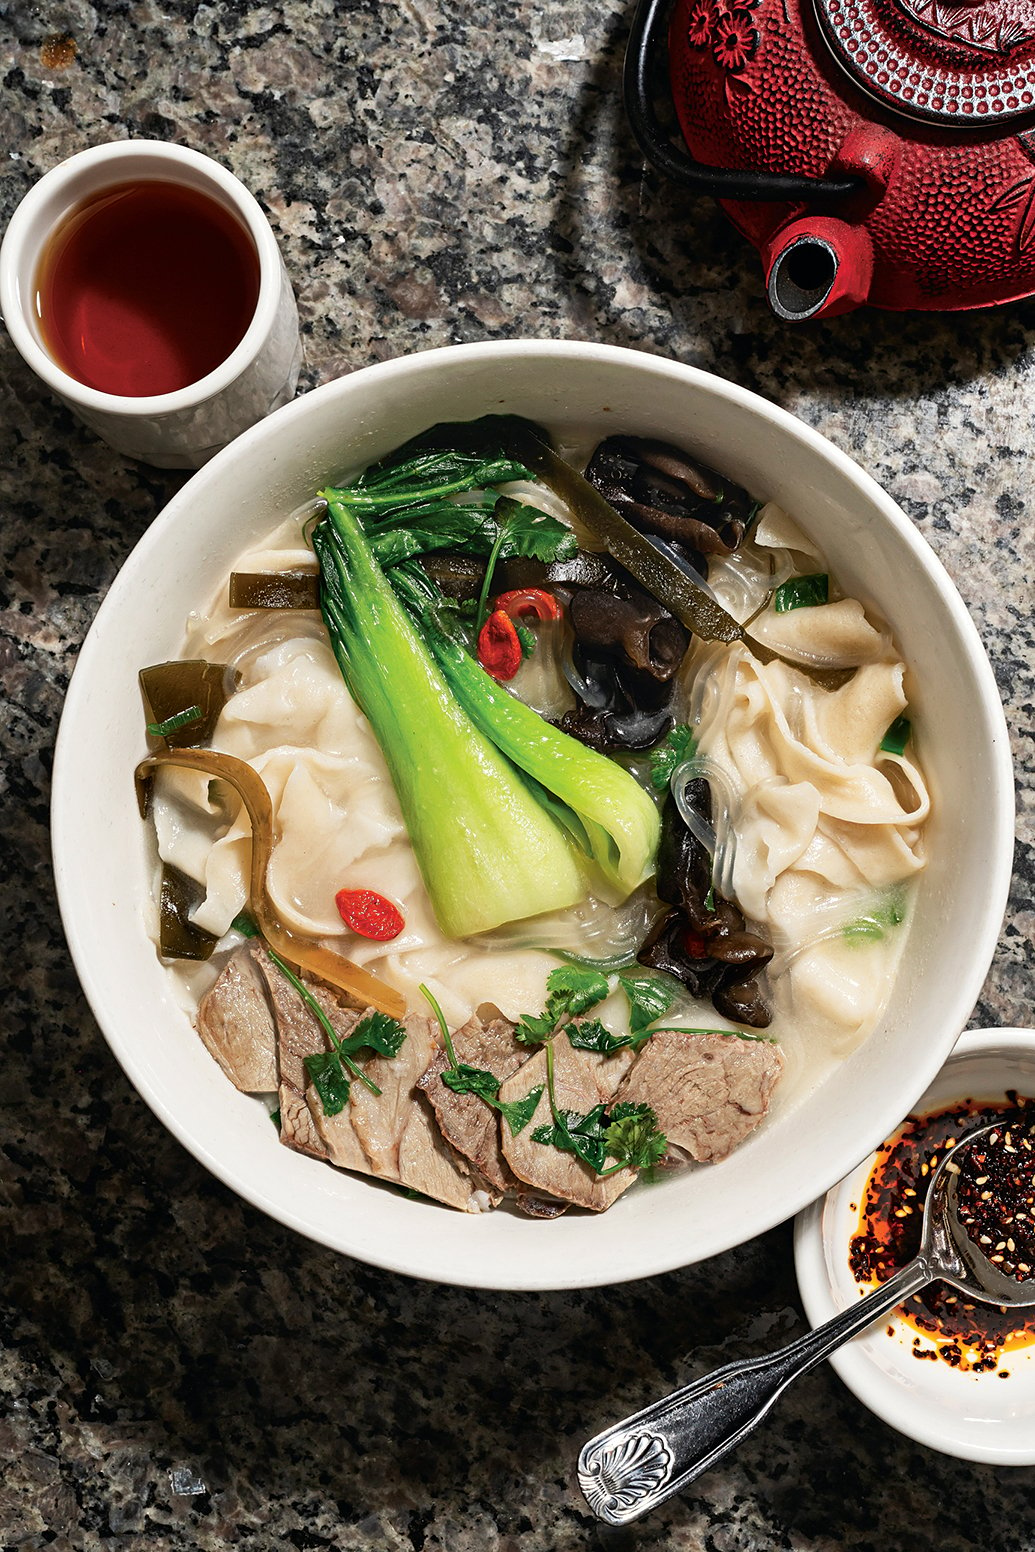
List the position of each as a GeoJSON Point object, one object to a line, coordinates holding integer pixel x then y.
{"type": "Point", "coordinates": [632, 1138]}
{"type": "Point", "coordinates": [377, 1032]}
{"type": "Point", "coordinates": [650, 997]}
{"type": "Point", "coordinates": [518, 1112]}
{"type": "Point", "coordinates": [571, 990]}
{"type": "Point", "coordinates": [465, 1079]}
{"type": "Point", "coordinates": [628, 1134]}
{"type": "Point", "coordinates": [327, 1068]}
{"type": "Point", "coordinates": [897, 736]}
{"type": "Point", "coordinates": [601, 805]}
{"type": "Point", "coordinates": [487, 850]}
{"type": "Point", "coordinates": [802, 592]}
{"type": "Point", "coordinates": [592, 1035]}
{"type": "Point", "coordinates": [244, 925]}
{"type": "Point", "coordinates": [874, 924]}
{"type": "Point", "coordinates": [524, 531]}
{"type": "Point", "coordinates": [582, 1135]}
{"type": "Point", "coordinates": [403, 480]}
{"type": "Point", "coordinates": [677, 745]}
{"type": "Point", "coordinates": [275, 1118]}
{"type": "Point", "coordinates": [444, 527]}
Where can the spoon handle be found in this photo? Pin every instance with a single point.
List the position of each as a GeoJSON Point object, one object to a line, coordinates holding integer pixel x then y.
{"type": "Point", "coordinates": [635, 1465]}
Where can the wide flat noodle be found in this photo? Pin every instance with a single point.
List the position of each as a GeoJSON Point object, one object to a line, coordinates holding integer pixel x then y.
{"type": "Point", "coordinates": [337, 820]}
{"type": "Point", "coordinates": [827, 827]}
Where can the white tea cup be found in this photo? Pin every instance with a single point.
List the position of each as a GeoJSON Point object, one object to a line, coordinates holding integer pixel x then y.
{"type": "Point", "coordinates": [183, 428]}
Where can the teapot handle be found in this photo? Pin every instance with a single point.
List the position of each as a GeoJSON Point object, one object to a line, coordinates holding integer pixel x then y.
{"type": "Point", "coordinates": [675, 161]}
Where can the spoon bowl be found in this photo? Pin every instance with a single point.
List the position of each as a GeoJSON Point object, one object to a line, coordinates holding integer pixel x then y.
{"type": "Point", "coordinates": [636, 1464]}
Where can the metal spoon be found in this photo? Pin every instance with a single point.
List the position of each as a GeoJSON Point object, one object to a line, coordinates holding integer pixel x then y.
{"type": "Point", "coordinates": [635, 1465]}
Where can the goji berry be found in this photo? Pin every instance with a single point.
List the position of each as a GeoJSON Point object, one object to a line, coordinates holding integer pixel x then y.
{"type": "Point", "coordinates": [499, 646]}
{"type": "Point", "coordinates": [369, 914]}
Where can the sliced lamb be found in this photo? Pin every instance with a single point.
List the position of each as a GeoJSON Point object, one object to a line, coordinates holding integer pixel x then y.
{"type": "Point", "coordinates": [397, 1131]}
{"type": "Point", "coordinates": [299, 1034]}
{"type": "Point", "coordinates": [393, 1135]}
{"type": "Point", "coordinates": [236, 1024]}
{"type": "Point", "coordinates": [582, 1080]}
{"type": "Point", "coordinates": [707, 1091]}
{"type": "Point", "coordinates": [470, 1125]}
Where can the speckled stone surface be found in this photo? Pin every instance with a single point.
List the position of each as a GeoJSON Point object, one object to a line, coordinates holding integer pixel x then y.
{"type": "Point", "coordinates": [177, 1371]}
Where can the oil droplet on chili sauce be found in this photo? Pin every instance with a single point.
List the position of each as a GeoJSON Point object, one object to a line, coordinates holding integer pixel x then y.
{"type": "Point", "coordinates": [146, 288]}
{"type": "Point", "coordinates": [959, 1331]}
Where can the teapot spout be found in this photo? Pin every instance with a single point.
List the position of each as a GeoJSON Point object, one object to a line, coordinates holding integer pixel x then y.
{"type": "Point", "coordinates": [817, 267]}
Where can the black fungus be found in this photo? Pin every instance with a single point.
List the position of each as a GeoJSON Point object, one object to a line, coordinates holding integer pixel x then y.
{"type": "Point", "coordinates": [703, 939]}
{"type": "Point", "coordinates": [662, 491]}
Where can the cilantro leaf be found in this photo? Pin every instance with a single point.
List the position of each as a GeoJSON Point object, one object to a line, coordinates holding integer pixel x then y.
{"type": "Point", "coordinates": [518, 1112]}
{"type": "Point", "coordinates": [464, 1079]}
{"type": "Point", "coordinates": [532, 1030]}
{"type": "Point", "coordinates": [327, 1069]}
{"type": "Point", "coordinates": [632, 1138]}
{"type": "Point", "coordinates": [591, 1035]}
{"type": "Point", "coordinates": [377, 1032]}
{"type": "Point", "coordinates": [582, 1135]}
{"type": "Point", "coordinates": [571, 990]}
{"type": "Point", "coordinates": [677, 745]}
{"type": "Point", "coordinates": [531, 534]}
{"type": "Point", "coordinates": [650, 997]}
{"type": "Point", "coordinates": [574, 989]}
{"type": "Point", "coordinates": [328, 1079]}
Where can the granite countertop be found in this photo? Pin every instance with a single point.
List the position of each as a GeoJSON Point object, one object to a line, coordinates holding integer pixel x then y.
{"type": "Point", "coordinates": [178, 1371]}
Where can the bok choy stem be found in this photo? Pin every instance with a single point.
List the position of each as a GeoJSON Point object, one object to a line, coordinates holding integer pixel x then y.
{"type": "Point", "coordinates": [487, 850]}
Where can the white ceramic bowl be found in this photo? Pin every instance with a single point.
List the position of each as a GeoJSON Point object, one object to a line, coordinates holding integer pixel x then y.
{"type": "Point", "coordinates": [101, 847]}
{"type": "Point", "coordinates": [975, 1416]}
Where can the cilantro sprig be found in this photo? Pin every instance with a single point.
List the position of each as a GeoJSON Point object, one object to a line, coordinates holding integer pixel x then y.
{"type": "Point", "coordinates": [526, 532]}
{"type": "Point", "coordinates": [571, 990]}
{"type": "Point", "coordinates": [627, 1133]}
{"type": "Point", "coordinates": [462, 1078]}
{"type": "Point", "coordinates": [332, 1071]}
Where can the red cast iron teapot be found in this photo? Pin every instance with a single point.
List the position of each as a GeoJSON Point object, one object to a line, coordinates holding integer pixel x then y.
{"type": "Point", "coordinates": [877, 151]}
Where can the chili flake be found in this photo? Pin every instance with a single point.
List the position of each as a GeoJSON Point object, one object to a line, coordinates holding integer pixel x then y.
{"type": "Point", "coordinates": [995, 1197]}
{"type": "Point", "coordinates": [959, 1331]}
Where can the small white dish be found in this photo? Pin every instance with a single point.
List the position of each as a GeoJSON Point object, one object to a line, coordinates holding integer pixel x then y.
{"type": "Point", "coordinates": [976, 1416]}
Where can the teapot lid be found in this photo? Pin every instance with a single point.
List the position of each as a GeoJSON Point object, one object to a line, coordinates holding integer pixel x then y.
{"type": "Point", "coordinates": [969, 64]}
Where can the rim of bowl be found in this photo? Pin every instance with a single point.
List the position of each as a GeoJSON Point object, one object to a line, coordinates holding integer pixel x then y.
{"type": "Point", "coordinates": [852, 1363]}
{"type": "Point", "coordinates": [244, 206]}
{"type": "Point", "coordinates": [668, 1255]}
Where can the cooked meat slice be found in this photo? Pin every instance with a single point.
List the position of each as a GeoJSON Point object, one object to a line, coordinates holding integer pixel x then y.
{"type": "Point", "coordinates": [467, 1123]}
{"type": "Point", "coordinates": [236, 1024]}
{"type": "Point", "coordinates": [707, 1091]}
{"type": "Point", "coordinates": [582, 1080]}
{"type": "Point", "coordinates": [429, 1165]}
{"type": "Point", "coordinates": [397, 1131]}
{"type": "Point", "coordinates": [539, 1206]}
{"type": "Point", "coordinates": [299, 1034]}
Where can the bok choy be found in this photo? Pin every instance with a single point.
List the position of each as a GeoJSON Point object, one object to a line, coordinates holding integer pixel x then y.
{"type": "Point", "coordinates": [496, 800]}
{"type": "Point", "coordinates": [487, 850]}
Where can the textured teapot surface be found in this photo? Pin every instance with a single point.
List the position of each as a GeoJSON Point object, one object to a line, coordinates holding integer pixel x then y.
{"type": "Point", "coordinates": [930, 106]}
